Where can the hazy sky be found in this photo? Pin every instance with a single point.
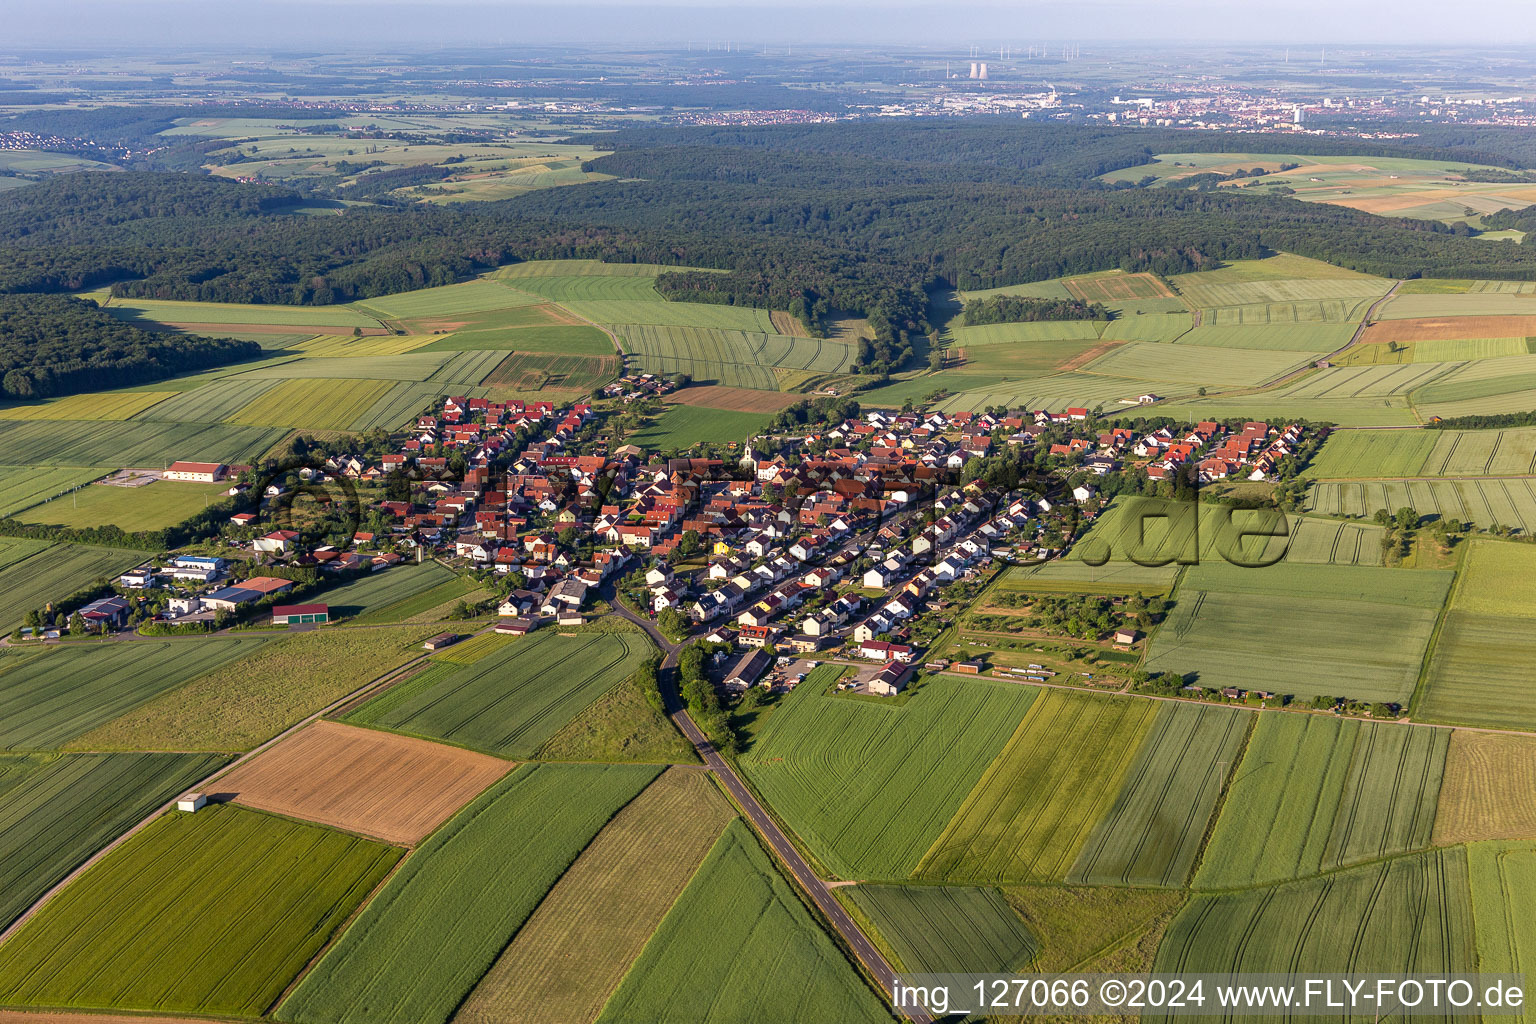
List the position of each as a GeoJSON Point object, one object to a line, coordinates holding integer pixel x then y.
{"type": "Point", "coordinates": [359, 23]}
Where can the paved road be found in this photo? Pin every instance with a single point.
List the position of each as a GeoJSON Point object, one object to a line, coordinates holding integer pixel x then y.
{"type": "Point", "coordinates": [817, 889]}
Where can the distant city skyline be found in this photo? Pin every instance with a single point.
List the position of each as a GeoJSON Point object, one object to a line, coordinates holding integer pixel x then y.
{"type": "Point", "coordinates": [301, 23]}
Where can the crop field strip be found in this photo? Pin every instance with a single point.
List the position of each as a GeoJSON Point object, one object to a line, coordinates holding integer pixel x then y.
{"type": "Point", "coordinates": [513, 701]}
{"type": "Point", "coordinates": [943, 928]}
{"type": "Point", "coordinates": [448, 300]}
{"type": "Point", "coordinates": [1152, 833]}
{"type": "Point", "coordinates": [1356, 627]}
{"type": "Point", "coordinates": [58, 810]}
{"type": "Point", "coordinates": [213, 912]}
{"type": "Point", "coordinates": [531, 371]}
{"type": "Point", "coordinates": [682, 426]}
{"type": "Point", "coordinates": [1438, 351]}
{"type": "Point", "coordinates": [236, 315]}
{"type": "Point", "coordinates": [131, 442]}
{"type": "Point", "coordinates": [1029, 816]}
{"type": "Point", "coordinates": [868, 788]}
{"type": "Point", "coordinates": [392, 788]}
{"type": "Point", "coordinates": [567, 960]}
{"type": "Point", "coordinates": [21, 487]}
{"type": "Point", "coordinates": [408, 366]}
{"type": "Point", "coordinates": [1485, 792]}
{"type": "Point", "coordinates": [1483, 503]}
{"type": "Point", "coordinates": [1316, 338]}
{"type": "Point", "coordinates": [318, 403]}
{"type": "Point", "coordinates": [735, 358]}
{"type": "Point", "coordinates": [152, 506]}
{"type": "Point", "coordinates": [420, 946]}
{"type": "Point", "coordinates": [261, 693]}
{"type": "Point", "coordinates": [1316, 311]}
{"type": "Point", "coordinates": [1417, 306]}
{"type": "Point", "coordinates": [32, 573]}
{"type": "Point", "coordinates": [212, 402]}
{"type": "Point", "coordinates": [1314, 793]}
{"type": "Point", "coordinates": [1503, 880]}
{"type": "Point", "coordinates": [48, 699]}
{"type": "Point", "coordinates": [106, 405]}
{"type": "Point", "coordinates": [740, 945]}
{"type": "Point", "coordinates": [1405, 915]}
{"type": "Point", "coordinates": [1484, 657]}
{"type": "Point", "coordinates": [1189, 364]}
{"type": "Point", "coordinates": [372, 597]}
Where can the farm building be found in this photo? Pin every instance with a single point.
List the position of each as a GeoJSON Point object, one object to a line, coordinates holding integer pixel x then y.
{"type": "Point", "coordinates": [517, 626]}
{"type": "Point", "coordinates": [294, 614]}
{"type": "Point", "coordinates": [106, 611]}
{"type": "Point", "coordinates": [229, 598]}
{"type": "Point", "coordinates": [197, 472]}
{"type": "Point", "coordinates": [192, 802]}
{"type": "Point", "coordinates": [442, 640]}
{"type": "Point", "coordinates": [748, 669]}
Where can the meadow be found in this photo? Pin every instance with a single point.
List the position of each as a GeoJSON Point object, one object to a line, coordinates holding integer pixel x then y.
{"type": "Point", "coordinates": [21, 487]}
{"type": "Point", "coordinates": [1030, 814]}
{"type": "Point", "coordinates": [531, 371]}
{"type": "Point", "coordinates": [1152, 833]}
{"type": "Point", "coordinates": [658, 312]}
{"type": "Point", "coordinates": [512, 701]}
{"type": "Point", "coordinates": [1074, 576]}
{"type": "Point", "coordinates": [214, 912]}
{"type": "Point", "coordinates": [869, 787]}
{"type": "Point", "coordinates": [1503, 879]}
{"type": "Point", "coordinates": [214, 401]}
{"type": "Point", "coordinates": [1314, 793]}
{"type": "Point", "coordinates": [683, 426]}
{"type": "Point", "coordinates": [1484, 503]}
{"type": "Point", "coordinates": [740, 945]}
{"type": "Point", "coordinates": [419, 947]}
{"type": "Point", "coordinates": [1310, 311]}
{"type": "Point", "coordinates": [250, 700]}
{"type": "Point", "coordinates": [1405, 915]}
{"type": "Point", "coordinates": [1283, 278]}
{"type": "Point", "coordinates": [943, 928]}
{"type": "Point", "coordinates": [49, 699]}
{"type": "Point", "coordinates": [1336, 630]}
{"type": "Point", "coordinates": [1089, 390]}
{"type": "Point", "coordinates": [576, 948]}
{"type": "Point", "coordinates": [1028, 332]}
{"type": "Point", "coordinates": [1318, 338]}
{"type": "Point", "coordinates": [1415, 305]}
{"type": "Point", "coordinates": [130, 443]}
{"type": "Point", "coordinates": [565, 337]}
{"type": "Point", "coordinates": [153, 506]}
{"type": "Point", "coordinates": [1443, 350]}
{"type": "Point", "coordinates": [56, 811]}
{"type": "Point", "coordinates": [1367, 411]}
{"type": "Point", "coordinates": [1483, 791]}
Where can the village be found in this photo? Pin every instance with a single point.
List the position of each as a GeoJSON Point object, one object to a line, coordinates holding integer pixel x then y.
{"type": "Point", "coordinates": [831, 543]}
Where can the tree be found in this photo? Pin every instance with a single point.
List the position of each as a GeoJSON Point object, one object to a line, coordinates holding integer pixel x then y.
{"type": "Point", "coordinates": [1382, 517]}
{"type": "Point", "coordinates": [1406, 518]}
{"type": "Point", "coordinates": [673, 623]}
{"type": "Point", "coordinates": [77, 624]}
{"type": "Point", "coordinates": [34, 618]}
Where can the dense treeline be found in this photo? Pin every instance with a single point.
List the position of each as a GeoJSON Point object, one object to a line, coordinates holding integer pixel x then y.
{"type": "Point", "coordinates": [1486, 421]}
{"type": "Point", "coordinates": [1018, 309]}
{"type": "Point", "coordinates": [55, 345]}
{"type": "Point", "coordinates": [1523, 219]}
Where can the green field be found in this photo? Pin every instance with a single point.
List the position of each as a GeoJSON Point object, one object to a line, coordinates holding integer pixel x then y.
{"type": "Point", "coordinates": [21, 487]}
{"type": "Point", "coordinates": [740, 357]}
{"type": "Point", "coordinates": [1029, 816]}
{"type": "Point", "coordinates": [1186, 365]}
{"type": "Point", "coordinates": [1444, 350]}
{"type": "Point", "coordinates": [34, 573]}
{"type": "Point", "coordinates": [208, 913]}
{"type": "Point", "coordinates": [153, 506]}
{"type": "Point", "coordinates": [1152, 832]}
{"type": "Point", "coordinates": [316, 404]}
{"type": "Point", "coordinates": [1314, 311]}
{"type": "Point", "coordinates": [212, 402]}
{"type": "Point", "coordinates": [1479, 674]}
{"type": "Point", "coordinates": [1406, 915]}
{"type": "Point", "coordinates": [420, 946]}
{"type": "Point", "coordinates": [492, 334]}
{"type": "Point", "coordinates": [683, 426]}
{"type": "Point", "coordinates": [1336, 630]}
{"type": "Point", "coordinates": [1074, 576]}
{"type": "Point", "coordinates": [268, 689]}
{"type": "Point", "coordinates": [1034, 331]}
{"type": "Point", "coordinates": [512, 701]}
{"type": "Point", "coordinates": [1503, 877]}
{"type": "Point", "coordinates": [1075, 388]}
{"type": "Point", "coordinates": [661, 313]}
{"type": "Point", "coordinates": [55, 811]}
{"type": "Point", "coordinates": [1483, 503]}
{"type": "Point", "coordinates": [739, 945]}
{"type": "Point", "coordinates": [391, 595]}
{"type": "Point", "coordinates": [533, 371]}
{"type": "Point", "coordinates": [1284, 278]}
{"type": "Point", "coordinates": [1413, 305]}
{"type": "Point", "coordinates": [1305, 337]}
{"type": "Point", "coordinates": [947, 928]}
{"type": "Point", "coordinates": [130, 443]}
{"type": "Point", "coordinates": [102, 405]}
{"type": "Point", "coordinates": [236, 314]}
{"type": "Point", "coordinates": [470, 297]}
{"type": "Point", "coordinates": [581, 941]}
{"type": "Point", "coordinates": [868, 787]}
{"type": "Point", "coordinates": [1315, 793]}
{"type": "Point", "coordinates": [1370, 411]}
{"type": "Point", "coordinates": [48, 699]}
{"type": "Point", "coordinates": [1149, 326]}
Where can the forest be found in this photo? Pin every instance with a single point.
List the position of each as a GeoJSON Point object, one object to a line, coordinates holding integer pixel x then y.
{"type": "Point", "coordinates": [56, 345]}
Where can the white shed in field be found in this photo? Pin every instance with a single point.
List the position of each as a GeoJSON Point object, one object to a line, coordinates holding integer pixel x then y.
{"type": "Point", "coordinates": [192, 802]}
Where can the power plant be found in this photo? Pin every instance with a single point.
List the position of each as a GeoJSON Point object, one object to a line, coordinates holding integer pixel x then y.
{"type": "Point", "coordinates": [978, 70]}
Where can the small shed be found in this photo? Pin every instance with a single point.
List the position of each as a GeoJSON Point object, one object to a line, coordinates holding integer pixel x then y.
{"type": "Point", "coordinates": [192, 802]}
{"type": "Point", "coordinates": [294, 614]}
{"type": "Point", "coordinates": [442, 640]}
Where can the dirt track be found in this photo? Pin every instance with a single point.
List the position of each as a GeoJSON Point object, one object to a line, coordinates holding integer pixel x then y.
{"type": "Point", "coordinates": [394, 788]}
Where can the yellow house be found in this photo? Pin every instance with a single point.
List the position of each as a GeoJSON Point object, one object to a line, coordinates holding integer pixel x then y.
{"type": "Point", "coordinates": [720, 548]}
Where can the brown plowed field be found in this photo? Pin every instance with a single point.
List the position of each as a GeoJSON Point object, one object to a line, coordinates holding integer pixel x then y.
{"type": "Point", "coordinates": [394, 788]}
{"type": "Point", "coordinates": [714, 396]}
{"type": "Point", "coordinates": [1435, 328]}
{"type": "Point", "coordinates": [217, 330]}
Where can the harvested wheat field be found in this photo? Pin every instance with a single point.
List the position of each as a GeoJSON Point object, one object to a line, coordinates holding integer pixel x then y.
{"type": "Point", "coordinates": [714, 396]}
{"type": "Point", "coordinates": [1117, 287]}
{"type": "Point", "coordinates": [395, 788]}
{"type": "Point", "coordinates": [1486, 789]}
{"type": "Point", "coordinates": [1451, 327]}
